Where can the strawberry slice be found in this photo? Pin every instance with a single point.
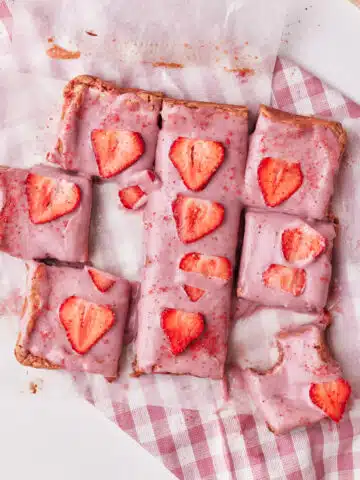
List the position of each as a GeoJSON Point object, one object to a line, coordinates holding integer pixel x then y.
{"type": "Point", "coordinates": [331, 397]}
{"type": "Point", "coordinates": [49, 198]}
{"type": "Point", "coordinates": [85, 322]}
{"type": "Point", "coordinates": [196, 160]}
{"type": "Point", "coordinates": [181, 328]}
{"type": "Point", "coordinates": [278, 180]}
{"type": "Point", "coordinates": [302, 244]}
{"type": "Point", "coordinates": [194, 293]}
{"type": "Point", "coordinates": [130, 196]}
{"type": "Point", "coordinates": [116, 150]}
{"type": "Point", "coordinates": [101, 280]}
{"type": "Point", "coordinates": [196, 218]}
{"type": "Point", "coordinates": [209, 266]}
{"type": "Point", "coordinates": [287, 279]}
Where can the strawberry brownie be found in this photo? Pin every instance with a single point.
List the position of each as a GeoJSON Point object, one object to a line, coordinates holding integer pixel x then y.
{"type": "Point", "coordinates": [292, 163]}
{"type": "Point", "coordinates": [106, 131]}
{"type": "Point", "coordinates": [191, 233]}
{"type": "Point", "coordinates": [45, 213]}
{"type": "Point", "coordinates": [285, 261]}
{"type": "Point", "coordinates": [304, 386]}
{"type": "Point", "coordinates": [74, 319]}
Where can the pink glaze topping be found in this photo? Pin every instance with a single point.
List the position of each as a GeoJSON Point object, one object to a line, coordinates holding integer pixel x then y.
{"type": "Point", "coordinates": [47, 339]}
{"type": "Point", "coordinates": [162, 279]}
{"type": "Point", "coordinates": [282, 393]}
{"type": "Point", "coordinates": [88, 109]}
{"type": "Point", "coordinates": [262, 247]}
{"type": "Point", "coordinates": [64, 238]}
{"type": "Point", "coordinates": [313, 145]}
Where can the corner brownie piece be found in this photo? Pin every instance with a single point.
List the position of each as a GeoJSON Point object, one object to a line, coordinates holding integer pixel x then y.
{"type": "Point", "coordinates": [292, 163]}
{"type": "Point", "coordinates": [106, 131]}
{"type": "Point", "coordinates": [191, 239]}
{"type": "Point", "coordinates": [45, 213]}
{"type": "Point", "coordinates": [73, 319]}
{"type": "Point", "coordinates": [303, 387]}
{"type": "Point", "coordinates": [285, 261]}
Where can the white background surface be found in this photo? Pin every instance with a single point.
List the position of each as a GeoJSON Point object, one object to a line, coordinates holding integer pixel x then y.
{"type": "Point", "coordinates": [58, 436]}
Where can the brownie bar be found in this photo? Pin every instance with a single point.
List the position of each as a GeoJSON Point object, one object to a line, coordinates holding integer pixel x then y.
{"type": "Point", "coordinates": [191, 237]}
{"type": "Point", "coordinates": [292, 163]}
{"type": "Point", "coordinates": [65, 306]}
{"type": "Point", "coordinates": [93, 106]}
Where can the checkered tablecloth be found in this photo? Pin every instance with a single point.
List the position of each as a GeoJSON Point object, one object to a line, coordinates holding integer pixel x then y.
{"type": "Point", "coordinates": [227, 445]}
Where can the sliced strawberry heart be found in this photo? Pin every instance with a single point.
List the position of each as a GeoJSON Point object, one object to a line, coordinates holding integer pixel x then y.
{"type": "Point", "coordinates": [85, 322]}
{"type": "Point", "coordinates": [278, 180]}
{"type": "Point", "coordinates": [181, 328]}
{"type": "Point", "coordinates": [101, 280]}
{"type": "Point", "coordinates": [302, 244]}
{"type": "Point", "coordinates": [49, 198]}
{"type": "Point", "coordinates": [287, 279]}
{"type": "Point", "coordinates": [209, 266]}
{"type": "Point", "coordinates": [116, 150]}
{"type": "Point", "coordinates": [196, 218]}
{"type": "Point", "coordinates": [331, 397]}
{"type": "Point", "coordinates": [130, 196]}
{"type": "Point", "coordinates": [196, 160]}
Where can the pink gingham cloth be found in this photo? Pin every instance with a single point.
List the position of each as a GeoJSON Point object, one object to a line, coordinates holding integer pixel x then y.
{"type": "Point", "coordinates": [226, 445]}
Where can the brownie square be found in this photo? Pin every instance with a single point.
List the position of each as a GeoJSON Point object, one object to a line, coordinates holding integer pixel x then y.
{"type": "Point", "coordinates": [45, 213]}
{"type": "Point", "coordinates": [74, 319]}
{"type": "Point", "coordinates": [106, 131]}
{"type": "Point", "coordinates": [285, 261]}
{"type": "Point", "coordinates": [284, 393]}
{"type": "Point", "coordinates": [292, 163]}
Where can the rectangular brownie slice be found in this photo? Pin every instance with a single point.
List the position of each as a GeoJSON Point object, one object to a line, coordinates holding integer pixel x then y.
{"type": "Point", "coordinates": [106, 131]}
{"type": "Point", "coordinates": [292, 163]}
{"type": "Point", "coordinates": [286, 261]}
{"type": "Point", "coordinates": [304, 386]}
{"type": "Point", "coordinates": [73, 318]}
{"type": "Point", "coordinates": [191, 237]}
{"type": "Point", "coordinates": [45, 213]}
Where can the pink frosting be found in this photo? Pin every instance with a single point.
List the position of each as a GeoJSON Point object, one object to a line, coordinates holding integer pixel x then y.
{"type": "Point", "coordinates": [65, 238]}
{"type": "Point", "coordinates": [105, 110]}
{"type": "Point", "coordinates": [48, 337]}
{"type": "Point", "coordinates": [317, 149]}
{"type": "Point", "coordinates": [282, 393]}
{"type": "Point", "coordinates": [262, 247]}
{"type": "Point", "coordinates": [162, 281]}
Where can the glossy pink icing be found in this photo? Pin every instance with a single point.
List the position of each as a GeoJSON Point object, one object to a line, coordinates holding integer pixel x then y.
{"type": "Point", "coordinates": [48, 337]}
{"type": "Point", "coordinates": [317, 149]}
{"type": "Point", "coordinates": [262, 247]}
{"type": "Point", "coordinates": [105, 110]}
{"type": "Point", "coordinates": [65, 238]}
{"type": "Point", "coordinates": [282, 393]}
{"type": "Point", "coordinates": [162, 280]}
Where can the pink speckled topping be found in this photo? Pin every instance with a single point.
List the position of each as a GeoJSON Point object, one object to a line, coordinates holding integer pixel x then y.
{"type": "Point", "coordinates": [282, 393]}
{"type": "Point", "coordinates": [162, 281]}
{"type": "Point", "coordinates": [47, 339]}
{"type": "Point", "coordinates": [65, 238]}
{"type": "Point", "coordinates": [262, 247]}
{"type": "Point", "coordinates": [314, 145]}
{"type": "Point", "coordinates": [90, 108]}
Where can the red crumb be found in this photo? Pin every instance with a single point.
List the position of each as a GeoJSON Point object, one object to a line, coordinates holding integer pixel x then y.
{"type": "Point", "coordinates": [92, 34]}
{"type": "Point", "coordinates": [241, 72]}
{"type": "Point", "coordinates": [167, 65]}
{"type": "Point", "coordinates": [59, 53]}
{"type": "Point", "coordinates": [33, 387]}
